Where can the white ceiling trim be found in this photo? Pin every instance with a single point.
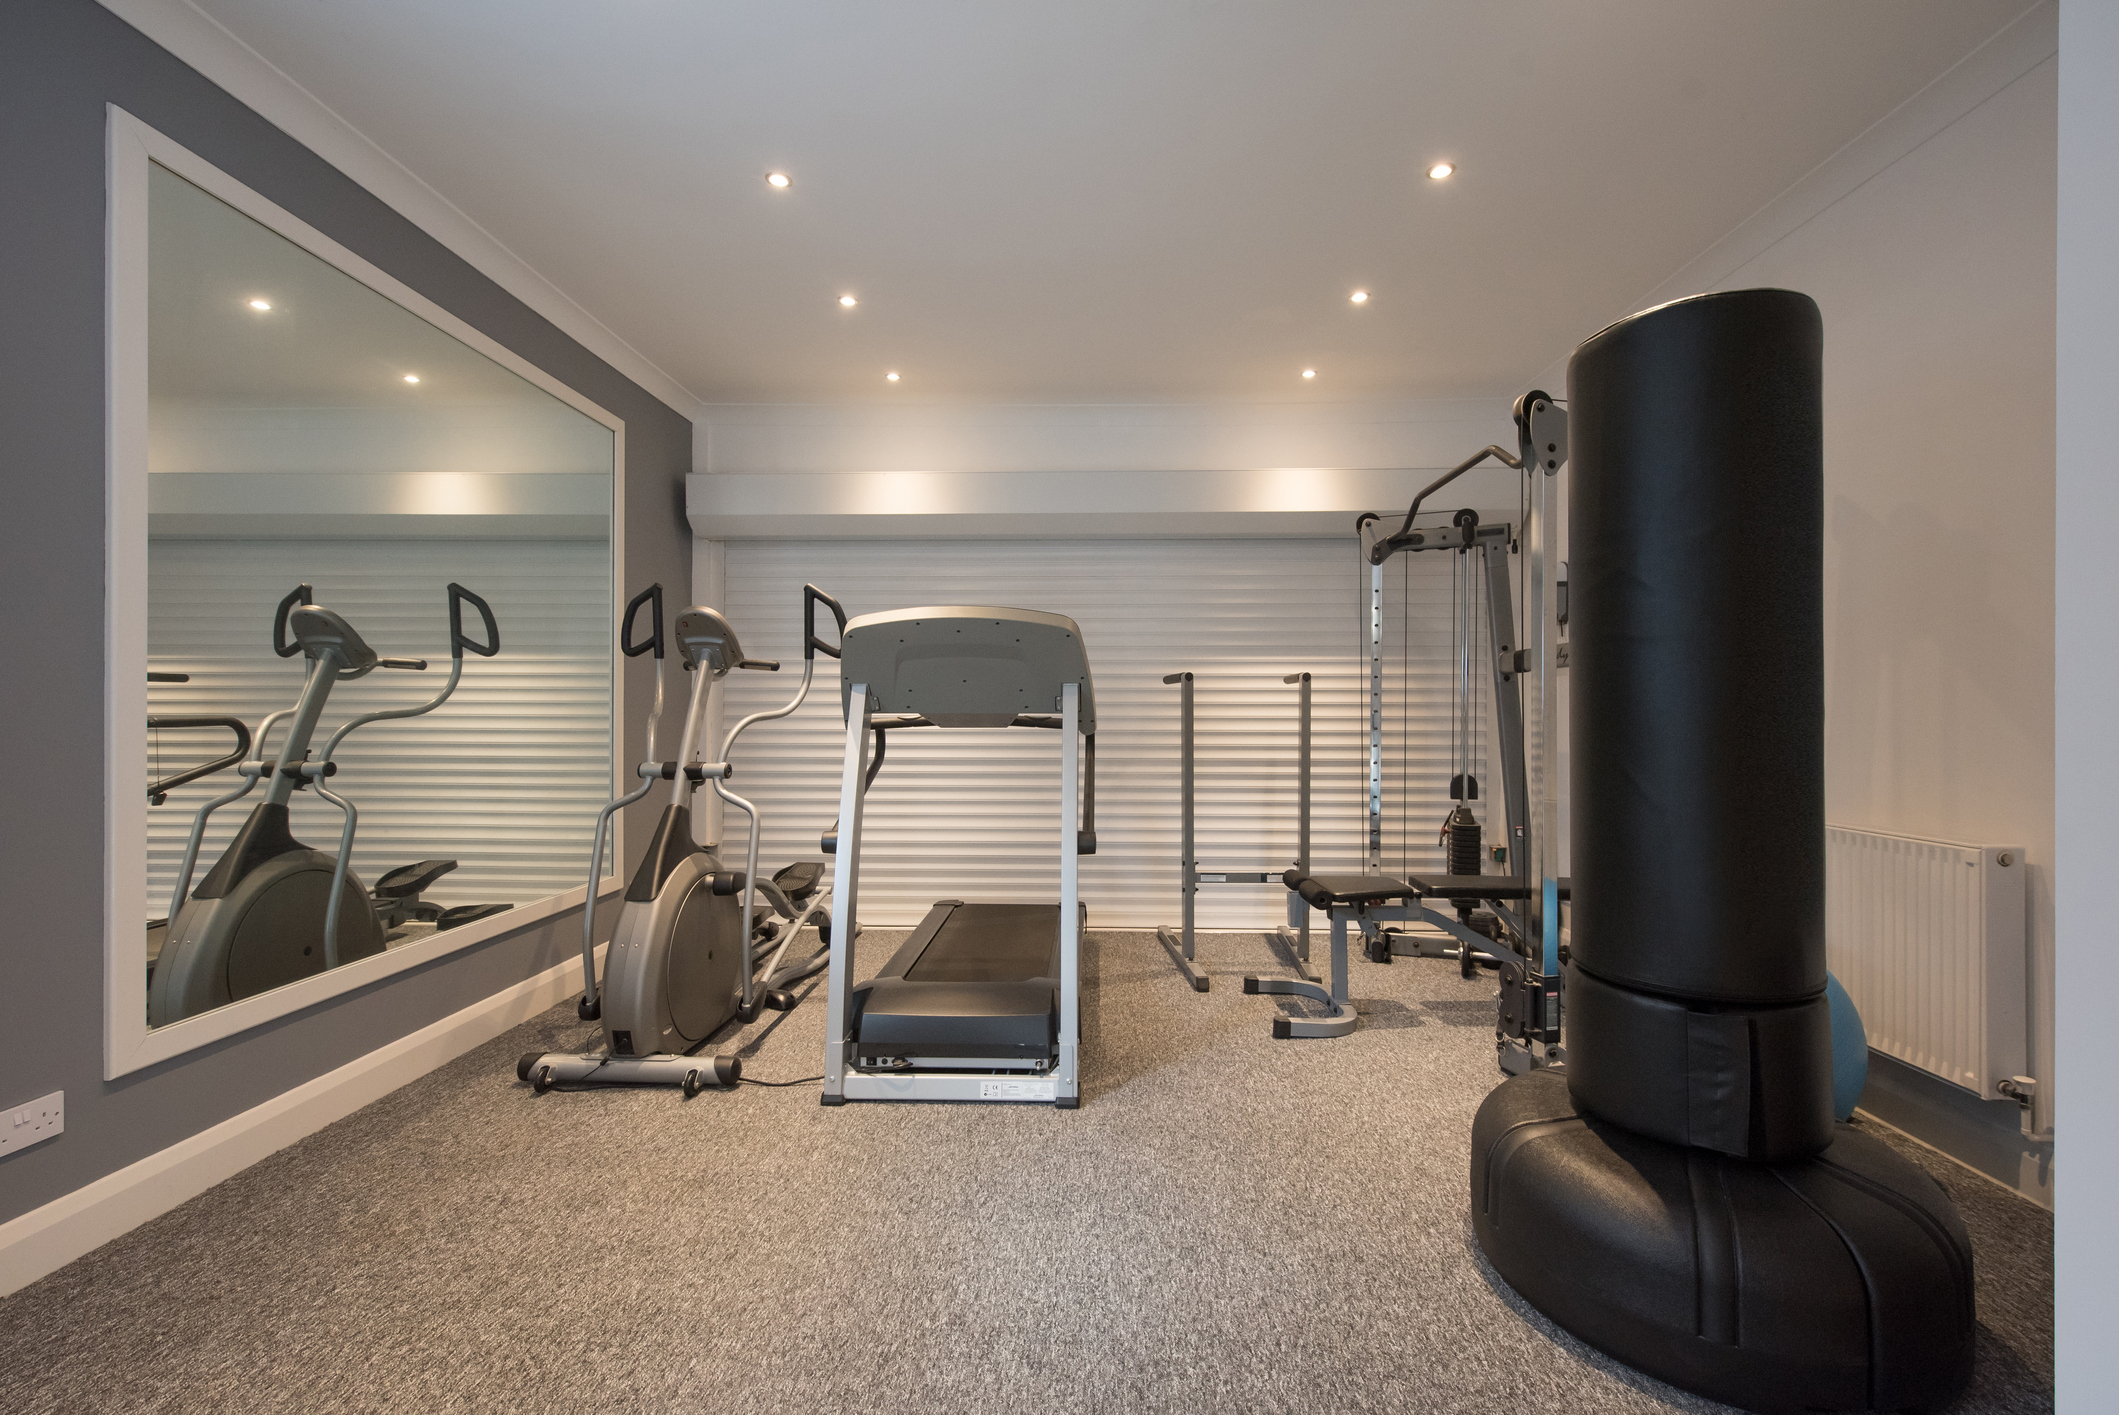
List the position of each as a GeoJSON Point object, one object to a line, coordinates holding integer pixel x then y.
{"type": "Point", "coordinates": [2018, 48]}
{"type": "Point", "coordinates": [201, 42]}
{"type": "Point", "coordinates": [805, 438]}
{"type": "Point", "coordinates": [1264, 501]}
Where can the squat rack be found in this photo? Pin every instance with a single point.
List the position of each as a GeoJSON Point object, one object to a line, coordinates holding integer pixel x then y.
{"type": "Point", "coordinates": [1294, 935]}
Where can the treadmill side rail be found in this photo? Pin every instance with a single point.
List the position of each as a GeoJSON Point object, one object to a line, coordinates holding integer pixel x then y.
{"type": "Point", "coordinates": [838, 1030]}
{"type": "Point", "coordinates": [1066, 1074]}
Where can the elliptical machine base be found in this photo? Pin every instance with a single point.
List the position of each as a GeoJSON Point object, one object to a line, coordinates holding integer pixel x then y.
{"type": "Point", "coordinates": [544, 1070]}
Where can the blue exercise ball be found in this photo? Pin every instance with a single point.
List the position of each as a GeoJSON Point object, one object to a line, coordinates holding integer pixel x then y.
{"type": "Point", "coordinates": [1850, 1050]}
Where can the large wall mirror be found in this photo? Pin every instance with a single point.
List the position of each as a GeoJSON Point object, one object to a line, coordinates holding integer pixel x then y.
{"type": "Point", "coordinates": [361, 597]}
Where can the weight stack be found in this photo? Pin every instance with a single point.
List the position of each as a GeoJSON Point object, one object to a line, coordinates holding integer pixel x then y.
{"type": "Point", "coordinates": [1680, 1197]}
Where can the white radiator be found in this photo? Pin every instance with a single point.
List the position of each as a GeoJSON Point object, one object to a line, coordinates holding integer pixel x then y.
{"type": "Point", "coordinates": [1927, 937]}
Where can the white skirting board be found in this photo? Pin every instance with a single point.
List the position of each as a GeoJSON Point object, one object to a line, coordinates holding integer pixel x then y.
{"type": "Point", "coordinates": [46, 1239]}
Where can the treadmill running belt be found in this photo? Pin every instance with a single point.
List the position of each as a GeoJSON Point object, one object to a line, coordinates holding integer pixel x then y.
{"type": "Point", "coordinates": [991, 943]}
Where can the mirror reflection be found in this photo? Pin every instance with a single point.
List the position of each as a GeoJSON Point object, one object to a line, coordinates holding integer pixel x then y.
{"type": "Point", "coordinates": [378, 621]}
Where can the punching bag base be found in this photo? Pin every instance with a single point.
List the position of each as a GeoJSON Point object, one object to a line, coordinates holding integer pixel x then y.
{"type": "Point", "coordinates": [1842, 1281]}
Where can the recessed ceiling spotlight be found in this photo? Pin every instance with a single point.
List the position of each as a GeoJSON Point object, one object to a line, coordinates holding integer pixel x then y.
{"type": "Point", "coordinates": [890, 377]}
{"type": "Point", "coordinates": [848, 301]}
{"type": "Point", "coordinates": [1359, 297]}
{"type": "Point", "coordinates": [1440, 170]}
{"type": "Point", "coordinates": [1309, 373]}
{"type": "Point", "coordinates": [261, 304]}
{"type": "Point", "coordinates": [411, 378]}
{"type": "Point", "coordinates": [779, 179]}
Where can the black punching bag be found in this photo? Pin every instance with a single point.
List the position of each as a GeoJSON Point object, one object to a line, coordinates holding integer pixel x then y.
{"type": "Point", "coordinates": [1677, 1195]}
{"type": "Point", "coordinates": [1697, 1009]}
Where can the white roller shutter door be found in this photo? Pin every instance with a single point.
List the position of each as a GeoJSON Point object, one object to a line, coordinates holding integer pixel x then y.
{"type": "Point", "coordinates": [973, 814]}
{"type": "Point", "coordinates": [506, 777]}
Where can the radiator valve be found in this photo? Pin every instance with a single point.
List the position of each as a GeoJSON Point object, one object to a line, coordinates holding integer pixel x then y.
{"type": "Point", "coordinates": [2024, 1091]}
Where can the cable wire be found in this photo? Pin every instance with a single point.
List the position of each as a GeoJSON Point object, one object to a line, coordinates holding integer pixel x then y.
{"type": "Point", "coordinates": [752, 1081]}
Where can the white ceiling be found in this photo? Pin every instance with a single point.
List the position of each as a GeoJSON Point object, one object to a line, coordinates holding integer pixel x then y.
{"type": "Point", "coordinates": [1109, 199]}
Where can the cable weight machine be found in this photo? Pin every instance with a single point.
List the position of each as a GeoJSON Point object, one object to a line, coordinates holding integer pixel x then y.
{"type": "Point", "coordinates": [1525, 902]}
{"type": "Point", "coordinates": [1481, 551]}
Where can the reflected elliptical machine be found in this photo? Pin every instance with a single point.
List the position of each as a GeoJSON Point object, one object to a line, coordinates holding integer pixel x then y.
{"type": "Point", "coordinates": [682, 958]}
{"type": "Point", "coordinates": [273, 910]}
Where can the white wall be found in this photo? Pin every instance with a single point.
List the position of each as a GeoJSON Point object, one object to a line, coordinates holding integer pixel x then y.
{"type": "Point", "coordinates": [2086, 679]}
{"type": "Point", "coordinates": [1936, 282]}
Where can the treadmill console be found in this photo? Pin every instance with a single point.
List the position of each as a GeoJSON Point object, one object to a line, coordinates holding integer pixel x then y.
{"type": "Point", "coordinates": [967, 665]}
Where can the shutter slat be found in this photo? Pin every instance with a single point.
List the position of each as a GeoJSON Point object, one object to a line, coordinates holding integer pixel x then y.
{"type": "Point", "coordinates": [506, 777]}
{"type": "Point", "coordinates": [972, 814]}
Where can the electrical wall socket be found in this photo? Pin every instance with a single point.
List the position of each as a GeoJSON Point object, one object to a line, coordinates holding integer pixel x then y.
{"type": "Point", "coordinates": [24, 1125]}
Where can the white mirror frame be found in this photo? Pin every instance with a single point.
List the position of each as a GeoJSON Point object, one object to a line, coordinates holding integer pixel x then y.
{"type": "Point", "coordinates": [128, 1043]}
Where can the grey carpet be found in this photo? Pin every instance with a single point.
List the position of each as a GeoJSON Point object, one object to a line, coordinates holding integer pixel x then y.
{"type": "Point", "coordinates": [1228, 1224]}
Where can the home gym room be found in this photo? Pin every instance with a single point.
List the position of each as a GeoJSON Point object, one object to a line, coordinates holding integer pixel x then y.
{"type": "Point", "coordinates": [930, 707]}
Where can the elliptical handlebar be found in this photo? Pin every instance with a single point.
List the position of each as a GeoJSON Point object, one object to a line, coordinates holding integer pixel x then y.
{"type": "Point", "coordinates": [281, 645]}
{"type": "Point", "coordinates": [315, 771]}
{"type": "Point", "coordinates": [811, 597]}
{"type": "Point", "coordinates": [458, 640]}
{"type": "Point", "coordinates": [651, 595]}
{"type": "Point", "coordinates": [811, 644]}
{"type": "Point", "coordinates": [158, 792]}
{"type": "Point", "coordinates": [591, 1005]}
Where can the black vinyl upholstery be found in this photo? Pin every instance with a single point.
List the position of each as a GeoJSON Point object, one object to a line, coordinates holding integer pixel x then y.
{"type": "Point", "coordinates": [1838, 1281]}
{"type": "Point", "coordinates": [1677, 1195]}
{"type": "Point", "coordinates": [1325, 891]}
{"type": "Point", "coordinates": [1754, 1082]}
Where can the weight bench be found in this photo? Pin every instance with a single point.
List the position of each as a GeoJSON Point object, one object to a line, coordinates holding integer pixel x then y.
{"type": "Point", "coordinates": [1366, 901]}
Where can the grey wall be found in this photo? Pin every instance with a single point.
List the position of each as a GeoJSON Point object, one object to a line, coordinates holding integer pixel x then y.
{"type": "Point", "coordinates": [61, 61]}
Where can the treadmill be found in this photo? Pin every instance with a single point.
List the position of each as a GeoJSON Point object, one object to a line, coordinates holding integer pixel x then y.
{"type": "Point", "coordinates": [983, 1001]}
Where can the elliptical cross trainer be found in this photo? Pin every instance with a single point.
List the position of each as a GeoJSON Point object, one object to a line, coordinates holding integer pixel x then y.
{"type": "Point", "coordinates": [682, 959]}
{"type": "Point", "coordinates": [272, 910]}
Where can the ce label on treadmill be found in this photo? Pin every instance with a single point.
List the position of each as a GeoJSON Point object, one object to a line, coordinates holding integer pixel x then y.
{"type": "Point", "coordinates": [1018, 1091]}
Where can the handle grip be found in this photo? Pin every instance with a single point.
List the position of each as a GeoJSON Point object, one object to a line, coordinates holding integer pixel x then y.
{"type": "Point", "coordinates": [458, 640]}
{"type": "Point", "coordinates": [811, 644]}
{"type": "Point", "coordinates": [300, 595]}
{"type": "Point", "coordinates": [159, 792]}
{"type": "Point", "coordinates": [625, 633]}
